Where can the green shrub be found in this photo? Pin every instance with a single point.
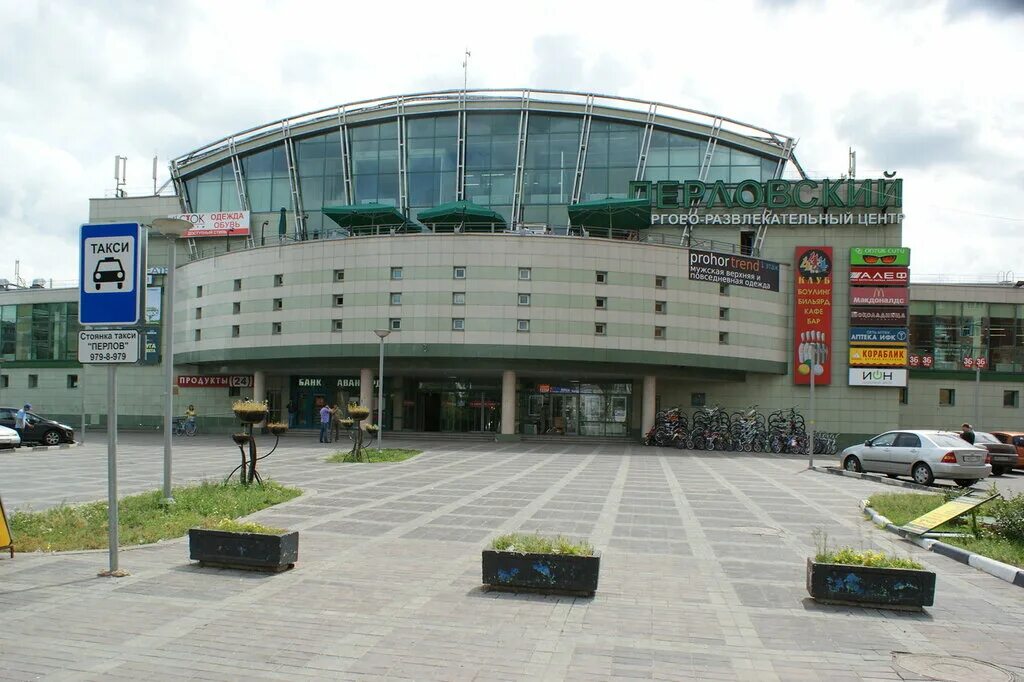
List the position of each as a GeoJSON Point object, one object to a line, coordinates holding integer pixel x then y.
{"type": "Point", "coordinates": [538, 544]}
{"type": "Point", "coordinates": [1009, 517]}
{"type": "Point", "coordinates": [851, 557]}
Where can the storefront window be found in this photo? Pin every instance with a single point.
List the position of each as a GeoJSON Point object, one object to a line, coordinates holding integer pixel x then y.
{"type": "Point", "coordinates": [575, 408]}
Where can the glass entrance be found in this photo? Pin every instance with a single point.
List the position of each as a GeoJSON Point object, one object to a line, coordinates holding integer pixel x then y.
{"type": "Point", "coordinates": [575, 408]}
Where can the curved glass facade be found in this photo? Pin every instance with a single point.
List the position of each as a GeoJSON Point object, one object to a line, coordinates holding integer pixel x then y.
{"type": "Point", "coordinates": [491, 145]}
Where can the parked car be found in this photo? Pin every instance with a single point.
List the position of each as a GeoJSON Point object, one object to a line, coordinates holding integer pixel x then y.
{"type": "Point", "coordinates": [9, 438]}
{"type": "Point", "coordinates": [1002, 456]}
{"type": "Point", "coordinates": [923, 455]}
{"type": "Point", "coordinates": [1016, 439]}
{"type": "Point", "coordinates": [38, 429]}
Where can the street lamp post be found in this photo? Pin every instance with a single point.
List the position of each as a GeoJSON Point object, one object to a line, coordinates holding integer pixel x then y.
{"type": "Point", "coordinates": [381, 334]}
{"type": "Point", "coordinates": [171, 228]}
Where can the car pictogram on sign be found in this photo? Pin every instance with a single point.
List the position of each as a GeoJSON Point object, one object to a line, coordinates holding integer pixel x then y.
{"type": "Point", "coordinates": [108, 271]}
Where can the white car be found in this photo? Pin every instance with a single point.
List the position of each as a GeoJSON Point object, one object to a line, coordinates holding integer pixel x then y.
{"type": "Point", "coordinates": [9, 438]}
{"type": "Point", "coordinates": [923, 455]}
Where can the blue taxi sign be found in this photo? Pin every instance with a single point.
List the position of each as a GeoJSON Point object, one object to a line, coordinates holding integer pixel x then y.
{"type": "Point", "coordinates": [110, 267]}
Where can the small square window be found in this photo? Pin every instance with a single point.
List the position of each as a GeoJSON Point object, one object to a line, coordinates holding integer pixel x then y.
{"type": "Point", "coordinates": [199, 291]}
{"type": "Point", "coordinates": [278, 280]}
{"type": "Point", "coordinates": [276, 328]}
{"type": "Point", "coordinates": [199, 313]}
{"type": "Point", "coordinates": [33, 381]}
{"type": "Point", "coordinates": [904, 396]}
{"type": "Point", "coordinates": [396, 298]}
{"type": "Point", "coordinates": [236, 308]}
{"type": "Point", "coordinates": [659, 281]}
{"type": "Point", "coordinates": [234, 391]}
{"type": "Point", "coordinates": [459, 298]}
{"type": "Point", "coordinates": [72, 381]}
{"type": "Point", "coordinates": [458, 324]}
{"type": "Point", "coordinates": [337, 325]}
{"type": "Point", "coordinates": [660, 307]}
{"type": "Point", "coordinates": [600, 302]}
{"type": "Point", "coordinates": [659, 332]}
{"type": "Point", "coordinates": [1011, 398]}
{"type": "Point", "coordinates": [599, 328]}
{"type": "Point", "coordinates": [395, 324]}
{"type": "Point", "coordinates": [278, 303]}
{"type": "Point", "coordinates": [396, 273]}
{"type": "Point", "coordinates": [459, 272]}
{"type": "Point", "coordinates": [524, 299]}
{"type": "Point", "coordinates": [723, 313]}
{"type": "Point", "coordinates": [524, 273]}
{"type": "Point", "coordinates": [523, 325]}
{"type": "Point", "coordinates": [698, 399]}
{"type": "Point", "coordinates": [947, 397]}
{"type": "Point", "coordinates": [339, 275]}
{"type": "Point", "coordinates": [236, 331]}
{"type": "Point", "coordinates": [238, 285]}
{"type": "Point", "coordinates": [723, 289]}
{"type": "Point", "coordinates": [339, 300]}
{"type": "Point", "coordinates": [723, 338]}
{"type": "Point", "coordinates": [601, 277]}
{"type": "Point", "coordinates": [198, 336]}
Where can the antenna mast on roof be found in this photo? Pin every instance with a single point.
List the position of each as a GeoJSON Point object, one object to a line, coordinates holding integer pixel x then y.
{"type": "Point", "coordinates": [853, 164]}
{"type": "Point", "coordinates": [465, 69]}
{"type": "Point", "coordinates": [154, 174]}
{"type": "Point", "coordinates": [120, 167]}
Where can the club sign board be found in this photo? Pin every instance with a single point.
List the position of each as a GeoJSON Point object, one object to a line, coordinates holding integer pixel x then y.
{"type": "Point", "coordinates": [110, 271]}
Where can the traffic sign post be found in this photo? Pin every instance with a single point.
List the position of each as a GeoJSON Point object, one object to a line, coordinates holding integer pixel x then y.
{"type": "Point", "coordinates": [111, 263]}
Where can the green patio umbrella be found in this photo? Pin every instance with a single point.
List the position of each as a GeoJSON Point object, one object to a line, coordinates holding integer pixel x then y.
{"type": "Point", "coordinates": [364, 217]}
{"type": "Point", "coordinates": [472, 217]}
{"type": "Point", "coordinates": [612, 214]}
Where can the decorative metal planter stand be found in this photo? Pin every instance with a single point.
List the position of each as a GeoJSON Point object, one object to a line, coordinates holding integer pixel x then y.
{"type": "Point", "coordinates": [246, 441]}
{"type": "Point", "coordinates": [357, 413]}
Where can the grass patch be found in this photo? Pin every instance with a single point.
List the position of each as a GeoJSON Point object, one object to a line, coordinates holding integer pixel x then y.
{"type": "Point", "coordinates": [142, 518]}
{"type": "Point", "coordinates": [903, 507]}
{"type": "Point", "coordinates": [232, 526]}
{"type": "Point", "coordinates": [539, 544]}
{"type": "Point", "coordinates": [375, 455]}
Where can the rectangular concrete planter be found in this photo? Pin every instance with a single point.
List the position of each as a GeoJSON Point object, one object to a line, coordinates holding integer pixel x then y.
{"type": "Point", "coordinates": [868, 586]}
{"type": "Point", "coordinates": [545, 573]}
{"type": "Point", "coordinates": [254, 551]}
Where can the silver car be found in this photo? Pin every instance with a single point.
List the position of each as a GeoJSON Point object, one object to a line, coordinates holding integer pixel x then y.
{"type": "Point", "coordinates": [924, 455]}
{"type": "Point", "coordinates": [9, 438]}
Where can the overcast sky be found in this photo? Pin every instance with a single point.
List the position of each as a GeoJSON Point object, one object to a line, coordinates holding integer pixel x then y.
{"type": "Point", "coordinates": [930, 90]}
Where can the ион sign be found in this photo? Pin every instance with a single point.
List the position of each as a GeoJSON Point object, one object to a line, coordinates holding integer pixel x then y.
{"type": "Point", "coordinates": [896, 378]}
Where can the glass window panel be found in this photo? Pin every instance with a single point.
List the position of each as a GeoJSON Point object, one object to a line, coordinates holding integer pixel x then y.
{"type": "Point", "coordinates": [229, 197]}
{"type": "Point", "coordinates": [388, 160]}
{"type": "Point", "coordinates": [365, 132]}
{"type": "Point", "coordinates": [768, 167]}
{"type": "Point", "coordinates": [657, 153]}
{"type": "Point", "coordinates": [389, 130]}
{"type": "Point", "coordinates": [478, 154]}
{"type": "Point", "coordinates": [312, 192]}
{"type": "Point", "coordinates": [259, 195]}
{"type": "Point", "coordinates": [192, 191]}
{"type": "Point", "coordinates": [656, 174]}
{"type": "Point", "coordinates": [683, 173]}
{"type": "Point", "coordinates": [281, 194]}
{"type": "Point", "coordinates": [503, 152]}
{"type": "Point", "coordinates": [501, 187]}
{"type": "Point", "coordinates": [565, 124]}
{"type": "Point", "coordinates": [535, 214]}
{"type": "Point", "coordinates": [387, 189]}
{"type": "Point", "coordinates": [595, 184]}
{"type": "Point", "coordinates": [721, 156]}
{"type": "Point", "coordinates": [741, 158]}
{"type": "Point", "coordinates": [208, 198]}
{"type": "Point", "coordinates": [618, 181]}
{"type": "Point", "coordinates": [420, 127]}
{"type": "Point", "coordinates": [716, 173]}
{"type": "Point", "coordinates": [422, 189]}
{"type": "Point", "coordinates": [446, 188]}
{"type": "Point", "coordinates": [536, 188]}
{"type": "Point", "coordinates": [444, 153]}
{"type": "Point", "coordinates": [597, 150]}
{"type": "Point", "coordinates": [740, 173]}
{"type": "Point", "coordinates": [922, 308]}
{"type": "Point", "coordinates": [624, 148]}
{"type": "Point", "coordinates": [685, 151]}
{"type": "Point", "coordinates": [564, 149]}
{"type": "Point", "coordinates": [332, 164]}
{"type": "Point", "coordinates": [365, 189]}
{"type": "Point", "coordinates": [364, 161]}
{"type": "Point", "coordinates": [947, 308]}
{"type": "Point", "coordinates": [558, 216]}
{"type": "Point", "coordinates": [334, 189]}
{"type": "Point", "coordinates": [446, 126]}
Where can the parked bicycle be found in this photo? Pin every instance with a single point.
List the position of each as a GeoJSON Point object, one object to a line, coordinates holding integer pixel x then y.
{"type": "Point", "coordinates": [182, 426]}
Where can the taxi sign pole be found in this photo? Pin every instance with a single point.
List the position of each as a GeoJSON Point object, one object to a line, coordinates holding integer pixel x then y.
{"type": "Point", "coordinates": [112, 538]}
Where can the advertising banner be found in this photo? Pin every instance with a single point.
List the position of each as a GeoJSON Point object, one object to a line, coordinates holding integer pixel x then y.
{"type": "Point", "coordinates": [878, 377]}
{"type": "Point", "coordinates": [151, 351]}
{"type": "Point", "coordinates": [917, 360]}
{"type": "Point", "coordinates": [741, 271]}
{"type": "Point", "coordinates": [813, 315]}
{"type": "Point", "coordinates": [860, 274]}
{"type": "Point", "coordinates": [194, 381]}
{"type": "Point", "coordinates": [895, 296]}
{"type": "Point", "coordinates": [217, 224]}
{"type": "Point", "coordinates": [878, 317]}
{"type": "Point", "coordinates": [880, 255]}
{"type": "Point", "coordinates": [878, 357]}
{"type": "Point", "coordinates": [154, 303]}
{"type": "Point", "coordinates": [879, 336]}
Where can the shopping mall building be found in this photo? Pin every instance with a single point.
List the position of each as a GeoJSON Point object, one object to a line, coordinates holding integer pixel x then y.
{"type": "Point", "coordinates": [547, 263]}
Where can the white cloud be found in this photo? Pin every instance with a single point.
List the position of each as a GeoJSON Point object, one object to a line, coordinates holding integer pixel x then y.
{"type": "Point", "coordinates": [922, 87]}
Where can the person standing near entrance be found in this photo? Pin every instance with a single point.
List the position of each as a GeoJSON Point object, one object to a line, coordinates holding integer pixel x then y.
{"type": "Point", "coordinates": [325, 424]}
{"type": "Point", "coordinates": [19, 421]}
{"type": "Point", "coordinates": [293, 414]}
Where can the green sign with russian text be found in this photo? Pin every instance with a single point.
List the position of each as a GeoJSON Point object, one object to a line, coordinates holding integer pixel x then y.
{"type": "Point", "coordinates": [772, 194]}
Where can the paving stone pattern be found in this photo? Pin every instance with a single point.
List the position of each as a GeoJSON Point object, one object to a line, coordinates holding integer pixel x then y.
{"type": "Point", "coordinates": [702, 573]}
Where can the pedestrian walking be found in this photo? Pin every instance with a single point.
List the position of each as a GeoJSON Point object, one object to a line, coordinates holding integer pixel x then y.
{"type": "Point", "coordinates": [325, 424]}
{"type": "Point", "coordinates": [336, 423]}
{"type": "Point", "coordinates": [20, 418]}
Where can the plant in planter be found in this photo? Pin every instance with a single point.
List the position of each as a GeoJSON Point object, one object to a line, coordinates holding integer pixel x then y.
{"type": "Point", "coordinates": [231, 544]}
{"type": "Point", "coordinates": [868, 578]}
{"type": "Point", "coordinates": [534, 563]}
{"type": "Point", "coordinates": [356, 414]}
{"type": "Point", "coordinates": [251, 412]}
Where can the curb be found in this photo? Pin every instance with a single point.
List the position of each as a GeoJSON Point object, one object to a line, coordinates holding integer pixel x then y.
{"type": "Point", "coordinates": [876, 478]}
{"type": "Point", "coordinates": [40, 448]}
{"type": "Point", "coordinates": [1011, 574]}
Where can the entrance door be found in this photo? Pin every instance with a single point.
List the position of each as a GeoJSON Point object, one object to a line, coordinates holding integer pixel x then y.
{"type": "Point", "coordinates": [560, 415]}
{"type": "Point", "coordinates": [431, 411]}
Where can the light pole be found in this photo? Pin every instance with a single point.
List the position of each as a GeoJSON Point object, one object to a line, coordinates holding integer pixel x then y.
{"type": "Point", "coordinates": [171, 228]}
{"type": "Point", "coordinates": [381, 334]}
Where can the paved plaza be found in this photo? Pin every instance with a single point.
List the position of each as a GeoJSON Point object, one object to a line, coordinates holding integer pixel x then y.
{"type": "Point", "coordinates": [702, 577]}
